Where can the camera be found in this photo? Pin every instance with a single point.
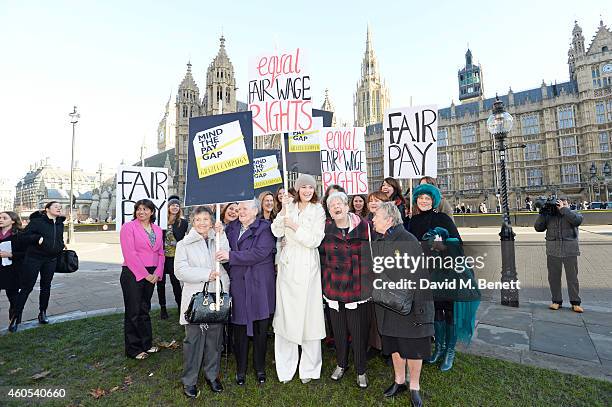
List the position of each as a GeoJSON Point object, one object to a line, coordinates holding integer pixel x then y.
{"type": "Point", "coordinates": [547, 206]}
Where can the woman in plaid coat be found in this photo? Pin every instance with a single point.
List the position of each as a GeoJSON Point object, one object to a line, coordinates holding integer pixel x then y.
{"type": "Point", "coordinates": [344, 288]}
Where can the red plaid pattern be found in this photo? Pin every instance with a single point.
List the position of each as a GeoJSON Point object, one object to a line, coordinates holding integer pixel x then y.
{"type": "Point", "coordinates": [341, 261]}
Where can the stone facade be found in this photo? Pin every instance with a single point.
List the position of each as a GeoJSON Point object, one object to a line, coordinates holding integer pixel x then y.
{"type": "Point", "coordinates": [7, 195]}
{"type": "Point", "coordinates": [566, 128]}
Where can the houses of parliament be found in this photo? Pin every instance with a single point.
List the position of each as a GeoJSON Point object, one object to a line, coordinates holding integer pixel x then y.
{"type": "Point", "coordinates": [566, 126]}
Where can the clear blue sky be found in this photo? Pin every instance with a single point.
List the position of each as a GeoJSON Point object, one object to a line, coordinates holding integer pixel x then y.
{"type": "Point", "coordinates": [119, 60]}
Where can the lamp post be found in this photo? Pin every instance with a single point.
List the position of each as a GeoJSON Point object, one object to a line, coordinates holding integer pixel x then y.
{"type": "Point", "coordinates": [593, 173]}
{"type": "Point", "coordinates": [74, 119]}
{"type": "Point", "coordinates": [607, 171]}
{"type": "Point", "coordinates": [499, 125]}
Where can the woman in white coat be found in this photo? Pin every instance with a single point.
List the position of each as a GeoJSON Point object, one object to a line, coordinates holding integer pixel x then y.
{"type": "Point", "coordinates": [194, 265]}
{"type": "Point", "coordinates": [298, 320]}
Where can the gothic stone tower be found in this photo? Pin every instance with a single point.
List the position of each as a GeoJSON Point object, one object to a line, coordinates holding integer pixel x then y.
{"type": "Point", "coordinates": [372, 96]}
{"type": "Point", "coordinates": [220, 84]}
{"type": "Point", "coordinates": [187, 105]}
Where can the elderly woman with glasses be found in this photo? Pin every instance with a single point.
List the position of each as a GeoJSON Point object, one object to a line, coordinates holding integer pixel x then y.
{"type": "Point", "coordinates": [342, 267]}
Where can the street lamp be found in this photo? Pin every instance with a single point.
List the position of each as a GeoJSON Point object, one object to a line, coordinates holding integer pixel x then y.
{"type": "Point", "coordinates": [593, 172]}
{"type": "Point", "coordinates": [607, 171]}
{"type": "Point", "coordinates": [499, 125]}
{"type": "Point", "coordinates": [74, 119]}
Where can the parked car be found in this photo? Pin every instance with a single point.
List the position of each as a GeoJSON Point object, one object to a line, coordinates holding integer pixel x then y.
{"type": "Point", "coordinates": [596, 205]}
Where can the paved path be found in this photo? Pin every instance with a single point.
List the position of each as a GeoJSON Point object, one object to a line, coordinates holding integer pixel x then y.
{"type": "Point", "coordinates": [531, 334]}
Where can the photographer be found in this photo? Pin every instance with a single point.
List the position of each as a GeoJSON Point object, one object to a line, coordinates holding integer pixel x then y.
{"type": "Point", "coordinates": [561, 226]}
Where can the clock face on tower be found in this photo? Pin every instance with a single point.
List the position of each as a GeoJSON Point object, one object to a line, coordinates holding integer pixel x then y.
{"type": "Point", "coordinates": [161, 136]}
{"type": "Point", "coordinates": [607, 68]}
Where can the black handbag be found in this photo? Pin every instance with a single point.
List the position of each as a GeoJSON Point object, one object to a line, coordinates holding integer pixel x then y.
{"type": "Point", "coordinates": [202, 307]}
{"type": "Point", "coordinates": [67, 262]}
{"type": "Point", "coordinates": [399, 301]}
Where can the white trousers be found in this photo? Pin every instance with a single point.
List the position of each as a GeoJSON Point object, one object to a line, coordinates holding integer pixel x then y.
{"type": "Point", "coordinates": [286, 356]}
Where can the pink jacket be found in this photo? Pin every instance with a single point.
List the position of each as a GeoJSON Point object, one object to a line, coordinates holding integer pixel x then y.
{"type": "Point", "coordinates": [138, 253]}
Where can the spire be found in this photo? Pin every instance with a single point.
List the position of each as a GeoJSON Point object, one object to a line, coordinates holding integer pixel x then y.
{"type": "Point", "coordinates": [327, 104]}
{"type": "Point", "coordinates": [468, 57]}
{"type": "Point", "coordinates": [368, 40]}
{"type": "Point", "coordinates": [188, 81]}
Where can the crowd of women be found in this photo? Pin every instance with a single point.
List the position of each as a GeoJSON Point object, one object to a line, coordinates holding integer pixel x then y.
{"type": "Point", "coordinates": [290, 261]}
{"type": "Point", "coordinates": [295, 262]}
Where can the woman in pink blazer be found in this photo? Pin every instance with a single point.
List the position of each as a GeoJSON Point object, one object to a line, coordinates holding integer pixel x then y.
{"type": "Point", "coordinates": [143, 265]}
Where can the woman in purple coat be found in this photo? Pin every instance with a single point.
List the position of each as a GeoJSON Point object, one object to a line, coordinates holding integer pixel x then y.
{"type": "Point", "coordinates": [251, 271]}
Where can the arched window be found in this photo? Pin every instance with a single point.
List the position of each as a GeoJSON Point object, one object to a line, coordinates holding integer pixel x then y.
{"type": "Point", "coordinates": [604, 48]}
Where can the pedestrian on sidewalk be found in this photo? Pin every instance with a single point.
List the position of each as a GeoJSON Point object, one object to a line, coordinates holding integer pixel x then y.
{"type": "Point", "coordinates": [194, 266]}
{"type": "Point", "coordinates": [44, 241]}
{"type": "Point", "coordinates": [177, 228]}
{"type": "Point", "coordinates": [298, 320]}
{"type": "Point", "coordinates": [562, 250]}
{"type": "Point", "coordinates": [142, 246]}
{"type": "Point", "coordinates": [344, 290]}
{"type": "Point", "coordinates": [251, 269]}
{"type": "Point", "coordinates": [11, 256]}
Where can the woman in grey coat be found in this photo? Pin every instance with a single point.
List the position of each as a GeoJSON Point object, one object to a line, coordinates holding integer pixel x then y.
{"type": "Point", "coordinates": [407, 338]}
{"type": "Point", "coordinates": [194, 265]}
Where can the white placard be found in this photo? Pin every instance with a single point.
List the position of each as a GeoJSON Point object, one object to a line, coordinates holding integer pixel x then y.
{"type": "Point", "coordinates": [136, 183]}
{"type": "Point", "coordinates": [343, 159]}
{"type": "Point", "coordinates": [279, 92]}
{"type": "Point", "coordinates": [410, 142]}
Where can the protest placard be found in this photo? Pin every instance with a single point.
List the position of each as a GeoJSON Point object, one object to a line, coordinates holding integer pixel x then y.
{"type": "Point", "coordinates": [279, 92]}
{"type": "Point", "coordinates": [136, 183]}
{"type": "Point", "coordinates": [308, 162]}
{"type": "Point", "coordinates": [267, 170]}
{"type": "Point", "coordinates": [219, 160]}
{"type": "Point", "coordinates": [343, 159]}
{"type": "Point", "coordinates": [410, 142]}
{"type": "Point", "coordinates": [219, 149]}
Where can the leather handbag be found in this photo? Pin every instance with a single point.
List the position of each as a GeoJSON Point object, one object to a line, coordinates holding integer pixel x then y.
{"type": "Point", "coordinates": [67, 262]}
{"type": "Point", "coordinates": [399, 301]}
{"type": "Point", "coordinates": [202, 307]}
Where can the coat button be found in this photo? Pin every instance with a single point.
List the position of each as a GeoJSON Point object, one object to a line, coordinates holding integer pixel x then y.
{"type": "Point", "coordinates": [336, 247]}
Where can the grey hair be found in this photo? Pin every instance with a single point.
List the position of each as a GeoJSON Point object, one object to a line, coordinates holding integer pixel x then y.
{"type": "Point", "coordinates": [254, 204]}
{"type": "Point", "coordinates": [337, 195]}
{"type": "Point", "coordinates": [389, 210]}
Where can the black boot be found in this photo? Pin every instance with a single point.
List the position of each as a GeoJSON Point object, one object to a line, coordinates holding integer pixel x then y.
{"type": "Point", "coordinates": [440, 342]}
{"type": "Point", "coordinates": [14, 322]}
{"type": "Point", "coordinates": [415, 398]}
{"type": "Point", "coordinates": [163, 313]}
{"type": "Point", "coordinates": [42, 317]}
{"type": "Point", "coordinates": [11, 312]}
{"type": "Point", "coordinates": [451, 341]}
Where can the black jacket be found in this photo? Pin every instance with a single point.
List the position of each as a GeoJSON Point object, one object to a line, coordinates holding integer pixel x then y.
{"type": "Point", "coordinates": [179, 230]}
{"type": "Point", "coordinates": [419, 323]}
{"type": "Point", "coordinates": [52, 233]}
{"type": "Point", "coordinates": [9, 275]}
{"type": "Point", "coordinates": [425, 221]}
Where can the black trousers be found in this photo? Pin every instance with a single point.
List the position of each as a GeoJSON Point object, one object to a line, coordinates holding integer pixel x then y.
{"type": "Point", "coordinates": [137, 330]}
{"type": "Point", "coordinates": [12, 294]}
{"type": "Point", "coordinates": [31, 267]}
{"type": "Point", "coordinates": [260, 345]}
{"type": "Point", "coordinates": [354, 322]}
{"type": "Point", "coordinates": [444, 311]}
{"type": "Point", "coordinates": [176, 284]}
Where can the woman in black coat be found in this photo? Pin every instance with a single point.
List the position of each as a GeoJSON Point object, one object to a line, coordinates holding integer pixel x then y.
{"type": "Point", "coordinates": [177, 228]}
{"type": "Point", "coordinates": [44, 240]}
{"type": "Point", "coordinates": [440, 237]}
{"type": "Point", "coordinates": [10, 228]}
{"type": "Point", "coordinates": [406, 337]}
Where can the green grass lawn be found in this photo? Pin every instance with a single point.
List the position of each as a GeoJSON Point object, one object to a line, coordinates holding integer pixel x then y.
{"type": "Point", "coordinates": [85, 355]}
